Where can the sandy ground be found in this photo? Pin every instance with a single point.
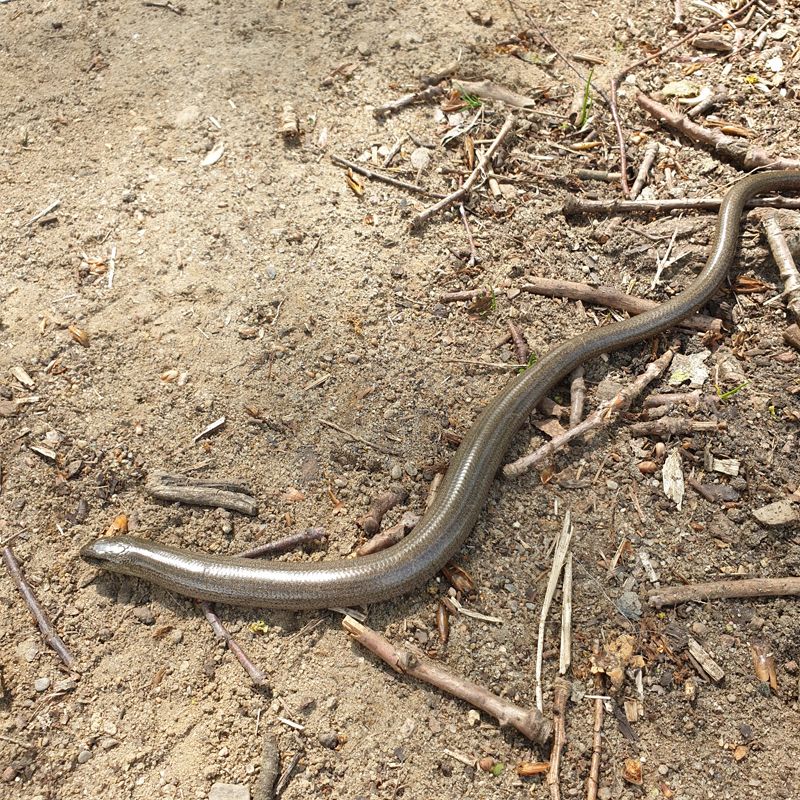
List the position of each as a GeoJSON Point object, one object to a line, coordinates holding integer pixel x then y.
{"type": "Point", "coordinates": [263, 281]}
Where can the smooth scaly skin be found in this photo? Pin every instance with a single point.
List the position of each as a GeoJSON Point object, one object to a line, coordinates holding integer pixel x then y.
{"type": "Point", "coordinates": [442, 531]}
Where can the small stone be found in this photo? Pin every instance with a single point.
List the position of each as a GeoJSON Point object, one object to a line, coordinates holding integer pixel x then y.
{"type": "Point", "coordinates": [473, 717]}
{"type": "Point", "coordinates": [629, 605]}
{"type": "Point", "coordinates": [9, 773]}
{"type": "Point", "coordinates": [364, 49]}
{"type": "Point", "coordinates": [271, 272]}
{"type": "Point", "coordinates": [411, 469]}
{"type": "Point", "coordinates": [329, 739]}
{"type": "Point", "coordinates": [41, 684]}
{"type": "Point", "coordinates": [229, 791]}
{"type": "Point", "coordinates": [104, 634]}
{"type": "Point", "coordinates": [144, 615]}
{"type": "Point", "coordinates": [176, 637]}
{"type": "Point", "coordinates": [27, 650]}
{"type": "Point", "coordinates": [612, 485]}
{"type": "Point", "coordinates": [397, 472]}
{"type": "Point", "coordinates": [84, 756]}
{"type": "Point", "coordinates": [780, 513]}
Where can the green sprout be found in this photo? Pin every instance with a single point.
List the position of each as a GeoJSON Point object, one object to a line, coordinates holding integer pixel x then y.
{"type": "Point", "coordinates": [586, 108]}
{"type": "Point", "coordinates": [732, 391]}
{"type": "Point", "coordinates": [531, 362]}
{"type": "Point", "coordinates": [494, 302]}
{"type": "Point", "coordinates": [497, 769]}
{"type": "Point", "coordinates": [473, 101]}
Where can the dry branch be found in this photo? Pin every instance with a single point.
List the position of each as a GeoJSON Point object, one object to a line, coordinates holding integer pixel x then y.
{"type": "Point", "coordinates": [530, 723]}
{"type": "Point", "coordinates": [739, 151]}
{"type": "Point", "coordinates": [621, 402]}
{"type": "Point", "coordinates": [612, 298]}
{"type": "Point", "coordinates": [721, 590]}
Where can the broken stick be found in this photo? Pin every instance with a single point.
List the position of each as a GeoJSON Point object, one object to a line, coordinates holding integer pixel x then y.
{"type": "Point", "coordinates": [530, 723]}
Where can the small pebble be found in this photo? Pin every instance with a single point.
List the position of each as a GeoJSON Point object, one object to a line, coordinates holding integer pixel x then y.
{"type": "Point", "coordinates": [42, 684]}
{"type": "Point", "coordinates": [176, 637]}
{"type": "Point", "coordinates": [84, 756]}
{"type": "Point", "coordinates": [473, 717]}
{"type": "Point", "coordinates": [144, 615]}
{"type": "Point", "coordinates": [329, 739]}
{"type": "Point", "coordinates": [229, 791]}
{"type": "Point", "coordinates": [629, 605]}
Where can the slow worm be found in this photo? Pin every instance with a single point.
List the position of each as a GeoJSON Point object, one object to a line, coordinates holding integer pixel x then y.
{"type": "Point", "coordinates": [442, 530]}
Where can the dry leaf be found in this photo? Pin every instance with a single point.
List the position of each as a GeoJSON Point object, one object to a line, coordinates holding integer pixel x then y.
{"type": "Point", "coordinates": [354, 182]}
{"type": "Point", "coordinates": [292, 496]}
{"type": "Point", "coordinates": [632, 771]}
{"type": "Point", "coordinates": [78, 335]}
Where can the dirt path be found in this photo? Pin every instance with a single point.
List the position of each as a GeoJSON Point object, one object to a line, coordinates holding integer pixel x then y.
{"type": "Point", "coordinates": [264, 281]}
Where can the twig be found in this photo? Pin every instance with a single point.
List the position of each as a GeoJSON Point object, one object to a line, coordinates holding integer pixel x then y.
{"type": "Point", "coordinates": [51, 638]}
{"type": "Point", "coordinates": [376, 176]}
{"type": "Point", "coordinates": [680, 398]}
{"type": "Point", "coordinates": [169, 6]}
{"type": "Point", "coordinates": [748, 157]}
{"type": "Point", "coordinates": [423, 216]}
{"type": "Point", "coordinates": [560, 554]}
{"type": "Point", "coordinates": [387, 162]}
{"type": "Point", "coordinates": [270, 768]}
{"type": "Point", "coordinates": [391, 536]}
{"type": "Point", "coordinates": [715, 99]}
{"type": "Point", "coordinates": [700, 489]}
{"type": "Point", "coordinates": [406, 100]}
{"type": "Point", "coordinates": [42, 213]}
{"type": "Point", "coordinates": [284, 545]}
{"type": "Point", "coordinates": [283, 781]}
{"type": "Point", "coordinates": [467, 294]}
{"type": "Point", "coordinates": [650, 154]}
{"type": "Point", "coordinates": [722, 590]}
{"type": "Point", "coordinates": [520, 345]}
{"type": "Point", "coordinates": [579, 205]}
{"type": "Point", "coordinates": [565, 651]}
{"type": "Point", "coordinates": [620, 76]}
{"type": "Point", "coordinates": [380, 448]}
{"type": "Point", "coordinates": [474, 258]}
{"type": "Point", "coordinates": [370, 523]}
{"type": "Point", "coordinates": [176, 488]}
{"type": "Point", "coordinates": [530, 723]}
{"type": "Point", "coordinates": [783, 258]}
{"type": "Point", "coordinates": [661, 263]}
{"type": "Point", "coordinates": [561, 692]}
{"type": "Point", "coordinates": [577, 396]}
{"type": "Point", "coordinates": [599, 418]}
{"type": "Point", "coordinates": [674, 426]}
{"type": "Point", "coordinates": [258, 677]}
{"type": "Point", "coordinates": [613, 298]}
{"type": "Point", "coordinates": [678, 18]}
{"type": "Point", "coordinates": [597, 742]}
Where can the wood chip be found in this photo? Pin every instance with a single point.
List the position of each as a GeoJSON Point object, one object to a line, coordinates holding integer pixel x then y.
{"type": "Point", "coordinates": [712, 669]}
